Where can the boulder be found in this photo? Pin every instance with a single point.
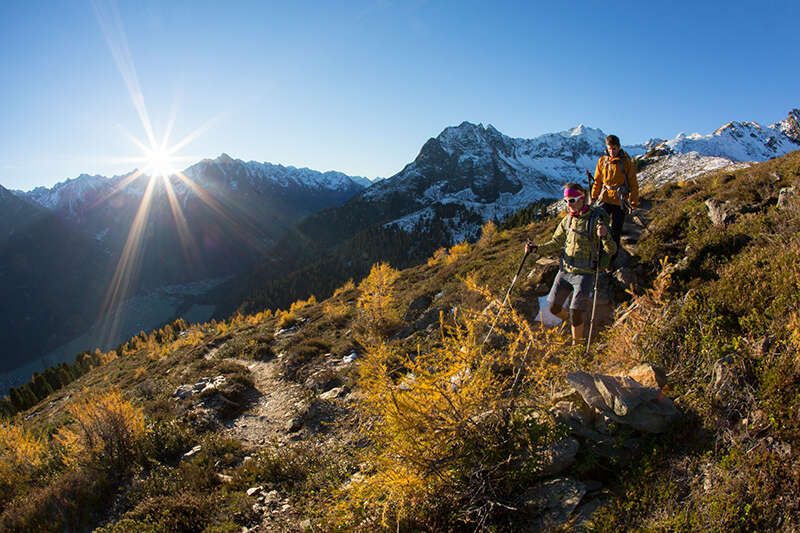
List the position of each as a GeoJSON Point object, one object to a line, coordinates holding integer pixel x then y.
{"type": "Point", "coordinates": [623, 400]}
{"type": "Point", "coordinates": [720, 213]}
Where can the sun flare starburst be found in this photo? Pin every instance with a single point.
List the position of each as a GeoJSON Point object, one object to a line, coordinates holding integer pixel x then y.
{"type": "Point", "coordinates": [159, 164]}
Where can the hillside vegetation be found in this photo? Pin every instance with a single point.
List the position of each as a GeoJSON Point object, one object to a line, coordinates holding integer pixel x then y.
{"type": "Point", "coordinates": [390, 406]}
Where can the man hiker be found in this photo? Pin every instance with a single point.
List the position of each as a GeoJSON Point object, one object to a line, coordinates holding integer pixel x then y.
{"type": "Point", "coordinates": [580, 236]}
{"type": "Point", "coordinates": [615, 186]}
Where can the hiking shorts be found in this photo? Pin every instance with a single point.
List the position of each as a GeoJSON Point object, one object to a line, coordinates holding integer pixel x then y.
{"type": "Point", "coordinates": [577, 287]}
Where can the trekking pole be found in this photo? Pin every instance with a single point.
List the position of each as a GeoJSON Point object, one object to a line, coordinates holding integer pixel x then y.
{"type": "Point", "coordinates": [594, 299]}
{"type": "Point", "coordinates": [508, 292]}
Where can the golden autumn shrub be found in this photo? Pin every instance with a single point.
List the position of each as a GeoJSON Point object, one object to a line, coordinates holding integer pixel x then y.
{"type": "Point", "coordinates": [455, 428]}
{"type": "Point", "coordinates": [438, 257]}
{"type": "Point", "coordinates": [377, 302]}
{"type": "Point", "coordinates": [106, 433]}
{"type": "Point", "coordinates": [456, 251]}
{"type": "Point", "coordinates": [21, 456]}
{"type": "Point", "coordinates": [488, 232]}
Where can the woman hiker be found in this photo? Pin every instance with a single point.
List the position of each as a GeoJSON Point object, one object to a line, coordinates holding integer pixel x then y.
{"type": "Point", "coordinates": [579, 236]}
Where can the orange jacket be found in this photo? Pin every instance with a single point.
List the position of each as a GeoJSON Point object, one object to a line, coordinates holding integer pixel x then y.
{"type": "Point", "coordinates": [612, 172]}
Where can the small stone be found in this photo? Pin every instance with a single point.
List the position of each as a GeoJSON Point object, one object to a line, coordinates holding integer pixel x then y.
{"type": "Point", "coordinates": [254, 490]}
{"type": "Point", "coordinates": [224, 478]}
{"type": "Point", "coordinates": [192, 452]}
{"type": "Point", "coordinates": [271, 497]}
{"type": "Point", "coordinates": [182, 392]}
{"type": "Point", "coordinates": [332, 394]}
{"type": "Point", "coordinates": [305, 525]}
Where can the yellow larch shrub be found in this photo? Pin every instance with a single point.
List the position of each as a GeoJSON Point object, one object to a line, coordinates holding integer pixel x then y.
{"type": "Point", "coordinates": [106, 432]}
{"type": "Point", "coordinates": [455, 428]}
{"type": "Point", "coordinates": [21, 455]}
{"type": "Point", "coordinates": [377, 302]}
{"type": "Point", "coordinates": [457, 251]}
{"type": "Point", "coordinates": [347, 287]}
{"type": "Point", "coordinates": [488, 231]}
{"type": "Point", "coordinates": [438, 257]}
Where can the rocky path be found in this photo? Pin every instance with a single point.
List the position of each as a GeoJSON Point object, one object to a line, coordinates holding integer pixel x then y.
{"type": "Point", "coordinates": [276, 410]}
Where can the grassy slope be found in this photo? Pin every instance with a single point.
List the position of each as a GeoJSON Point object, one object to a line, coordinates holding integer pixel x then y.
{"type": "Point", "coordinates": [725, 466]}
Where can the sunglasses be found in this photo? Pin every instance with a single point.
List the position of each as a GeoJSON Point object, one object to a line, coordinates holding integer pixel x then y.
{"type": "Point", "coordinates": [573, 199]}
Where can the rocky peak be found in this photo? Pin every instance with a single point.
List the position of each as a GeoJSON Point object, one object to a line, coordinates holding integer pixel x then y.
{"type": "Point", "coordinates": [468, 137]}
{"type": "Point", "coordinates": [790, 126]}
{"type": "Point", "coordinates": [225, 159]}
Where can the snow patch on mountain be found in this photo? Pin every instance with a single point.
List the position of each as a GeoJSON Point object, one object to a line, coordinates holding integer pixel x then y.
{"type": "Point", "coordinates": [737, 141]}
{"type": "Point", "coordinates": [664, 169]}
{"type": "Point", "coordinates": [68, 194]}
{"type": "Point", "coordinates": [284, 176]}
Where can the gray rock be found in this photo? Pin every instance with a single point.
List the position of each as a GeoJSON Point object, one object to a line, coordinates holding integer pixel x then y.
{"type": "Point", "coordinates": [271, 497]}
{"type": "Point", "coordinates": [720, 213]}
{"type": "Point", "coordinates": [553, 502]}
{"type": "Point", "coordinates": [623, 400]}
{"type": "Point", "coordinates": [183, 392]}
{"type": "Point", "coordinates": [305, 525]}
{"type": "Point", "coordinates": [418, 305]}
{"type": "Point", "coordinates": [559, 456]}
{"type": "Point", "coordinates": [582, 517]}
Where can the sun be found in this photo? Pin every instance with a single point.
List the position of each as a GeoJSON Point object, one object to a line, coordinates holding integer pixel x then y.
{"type": "Point", "coordinates": [159, 162]}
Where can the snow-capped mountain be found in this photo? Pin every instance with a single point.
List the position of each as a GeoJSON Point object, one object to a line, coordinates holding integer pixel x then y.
{"type": "Point", "coordinates": [488, 174]}
{"type": "Point", "coordinates": [733, 145]}
{"type": "Point", "coordinates": [736, 141]}
{"type": "Point", "coordinates": [74, 195]}
{"type": "Point", "coordinates": [471, 173]}
{"type": "Point", "coordinates": [790, 126]}
{"type": "Point", "coordinates": [69, 194]}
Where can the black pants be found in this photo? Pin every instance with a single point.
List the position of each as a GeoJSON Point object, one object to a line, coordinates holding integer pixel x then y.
{"type": "Point", "coordinates": [617, 219]}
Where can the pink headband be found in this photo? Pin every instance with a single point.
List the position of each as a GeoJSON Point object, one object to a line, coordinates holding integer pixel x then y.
{"type": "Point", "coordinates": [572, 193]}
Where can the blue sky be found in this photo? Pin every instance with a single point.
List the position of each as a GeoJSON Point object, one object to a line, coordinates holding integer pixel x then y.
{"type": "Point", "coordinates": [360, 86]}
